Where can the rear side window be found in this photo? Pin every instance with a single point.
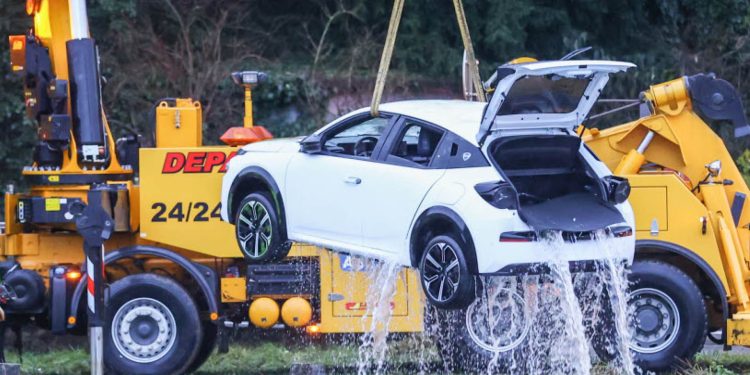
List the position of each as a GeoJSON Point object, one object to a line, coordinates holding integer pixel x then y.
{"type": "Point", "coordinates": [416, 144]}
{"type": "Point", "coordinates": [456, 152]}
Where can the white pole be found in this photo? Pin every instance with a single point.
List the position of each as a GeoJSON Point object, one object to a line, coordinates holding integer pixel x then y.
{"type": "Point", "coordinates": [96, 341]}
{"type": "Point", "coordinates": [646, 141]}
{"type": "Point", "coordinates": [79, 21]}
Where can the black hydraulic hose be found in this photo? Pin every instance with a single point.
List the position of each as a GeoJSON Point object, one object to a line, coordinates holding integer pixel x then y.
{"type": "Point", "coordinates": [714, 340]}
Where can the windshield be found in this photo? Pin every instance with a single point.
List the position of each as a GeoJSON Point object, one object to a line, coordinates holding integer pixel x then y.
{"type": "Point", "coordinates": [549, 93]}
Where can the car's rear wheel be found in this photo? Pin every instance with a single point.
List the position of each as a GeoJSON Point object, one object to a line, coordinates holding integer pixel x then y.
{"type": "Point", "coordinates": [445, 275]}
{"type": "Point", "coordinates": [258, 230]}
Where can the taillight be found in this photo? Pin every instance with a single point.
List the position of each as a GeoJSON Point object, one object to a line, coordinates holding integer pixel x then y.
{"type": "Point", "coordinates": [518, 237]}
{"type": "Point", "coordinates": [619, 232]}
{"type": "Point", "coordinates": [499, 194]}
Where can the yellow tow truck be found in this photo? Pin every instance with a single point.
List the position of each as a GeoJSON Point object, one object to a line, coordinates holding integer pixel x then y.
{"type": "Point", "coordinates": [692, 266]}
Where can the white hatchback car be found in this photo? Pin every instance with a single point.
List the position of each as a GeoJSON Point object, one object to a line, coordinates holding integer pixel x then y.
{"type": "Point", "coordinates": [454, 188]}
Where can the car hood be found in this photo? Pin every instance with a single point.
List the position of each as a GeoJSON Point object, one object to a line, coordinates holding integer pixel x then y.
{"type": "Point", "coordinates": [546, 94]}
{"type": "Point", "coordinates": [274, 145]}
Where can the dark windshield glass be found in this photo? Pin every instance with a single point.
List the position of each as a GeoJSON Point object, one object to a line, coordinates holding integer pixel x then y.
{"type": "Point", "coordinates": [544, 94]}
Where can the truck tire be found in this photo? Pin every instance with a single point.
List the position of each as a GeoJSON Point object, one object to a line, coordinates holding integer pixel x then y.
{"type": "Point", "coordinates": [258, 230]}
{"type": "Point", "coordinates": [210, 336]}
{"type": "Point", "coordinates": [152, 326]}
{"type": "Point", "coordinates": [669, 322]}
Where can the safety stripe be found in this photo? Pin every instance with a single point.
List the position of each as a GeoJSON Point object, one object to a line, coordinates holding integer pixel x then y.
{"type": "Point", "coordinates": [90, 286]}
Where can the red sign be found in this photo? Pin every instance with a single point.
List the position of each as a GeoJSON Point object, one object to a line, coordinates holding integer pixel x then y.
{"type": "Point", "coordinates": [196, 162]}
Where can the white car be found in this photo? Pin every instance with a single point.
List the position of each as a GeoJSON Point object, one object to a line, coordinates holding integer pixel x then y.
{"type": "Point", "coordinates": [455, 188]}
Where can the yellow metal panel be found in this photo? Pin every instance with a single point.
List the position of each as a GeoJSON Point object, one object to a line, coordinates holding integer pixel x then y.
{"type": "Point", "coordinates": [738, 332]}
{"type": "Point", "coordinates": [11, 223]}
{"type": "Point", "coordinates": [23, 244]}
{"type": "Point", "coordinates": [347, 275]}
{"type": "Point", "coordinates": [180, 125]}
{"type": "Point", "coordinates": [684, 213]}
{"type": "Point", "coordinates": [342, 285]}
{"type": "Point", "coordinates": [180, 197]}
{"type": "Point", "coordinates": [652, 205]}
{"type": "Point", "coordinates": [233, 289]}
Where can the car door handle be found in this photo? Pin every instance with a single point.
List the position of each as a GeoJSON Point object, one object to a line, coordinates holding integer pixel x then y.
{"type": "Point", "coordinates": [353, 180]}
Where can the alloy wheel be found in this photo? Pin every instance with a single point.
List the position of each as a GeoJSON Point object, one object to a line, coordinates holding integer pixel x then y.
{"type": "Point", "coordinates": [441, 272]}
{"type": "Point", "coordinates": [254, 229]}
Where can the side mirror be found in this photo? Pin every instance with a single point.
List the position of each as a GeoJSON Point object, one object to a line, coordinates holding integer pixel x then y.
{"type": "Point", "coordinates": [312, 144]}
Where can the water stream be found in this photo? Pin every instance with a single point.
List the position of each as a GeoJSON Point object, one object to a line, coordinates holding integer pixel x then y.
{"type": "Point", "coordinates": [538, 323]}
{"type": "Point", "coordinates": [373, 349]}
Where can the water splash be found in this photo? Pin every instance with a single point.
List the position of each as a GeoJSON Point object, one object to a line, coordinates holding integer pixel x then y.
{"type": "Point", "coordinates": [615, 276]}
{"type": "Point", "coordinates": [373, 349]}
{"type": "Point", "coordinates": [556, 313]}
{"type": "Point", "coordinates": [557, 341]}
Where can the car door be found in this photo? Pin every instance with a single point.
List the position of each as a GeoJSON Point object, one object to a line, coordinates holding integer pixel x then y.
{"type": "Point", "coordinates": [323, 190]}
{"type": "Point", "coordinates": [398, 183]}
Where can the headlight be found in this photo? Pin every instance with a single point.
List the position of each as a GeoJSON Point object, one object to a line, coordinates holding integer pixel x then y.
{"type": "Point", "coordinates": [714, 168]}
{"type": "Point", "coordinates": [618, 189]}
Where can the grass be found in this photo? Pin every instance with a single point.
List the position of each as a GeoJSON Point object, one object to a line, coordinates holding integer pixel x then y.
{"type": "Point", "coordinates": [277, 357]}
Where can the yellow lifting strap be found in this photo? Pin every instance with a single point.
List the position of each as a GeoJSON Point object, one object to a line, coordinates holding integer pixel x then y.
{"type": "Point", "coordinates": [385, 58]}
{"type": "Point", "coordinates": [463, 26]}
{"type": "Point", "coordinates": [390, 41]}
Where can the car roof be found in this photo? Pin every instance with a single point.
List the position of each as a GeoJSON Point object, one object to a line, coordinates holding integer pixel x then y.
{"type": "Point", "coordinates": [457, 116]}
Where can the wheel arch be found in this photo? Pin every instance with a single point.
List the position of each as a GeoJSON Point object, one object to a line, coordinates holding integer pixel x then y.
{"type": "Point", "coordinates": [688, 262]}
{"type": "Point", "coordinates": [205, 277]}
{"type": "Point", "coordinates": [444, 220]}
{"type": "Point", "coordinates": [249, 180]}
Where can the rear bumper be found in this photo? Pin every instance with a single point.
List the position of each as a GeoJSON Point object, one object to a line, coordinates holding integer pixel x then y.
{"type": "Point", "coordinates": [575, 266]}
{"type": "Point", "coordinates": [512, 258]}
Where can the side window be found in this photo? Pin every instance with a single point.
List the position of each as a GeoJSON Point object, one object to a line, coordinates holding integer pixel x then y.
{"type": "Point", "coordinates": [356, 139]}
{"type": "Point", "coordinates": [416, 143]}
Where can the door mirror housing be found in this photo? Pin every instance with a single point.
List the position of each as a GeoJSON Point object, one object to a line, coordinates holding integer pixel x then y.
{"type": "Point", "coordinates": [312, 144]}
{"type": "Point", "coordinates": [618, 189]}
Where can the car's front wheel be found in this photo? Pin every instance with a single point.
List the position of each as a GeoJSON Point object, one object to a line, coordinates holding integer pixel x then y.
{"type": "Point", "coordinates": [445, 276]}
{"type": "Point", "coordinates": [258, 230]}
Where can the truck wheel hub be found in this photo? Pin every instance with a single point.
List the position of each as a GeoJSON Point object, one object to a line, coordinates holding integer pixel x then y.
{"type": "Point", "coordinates": [143, 330]}
{"type": "Point", "coordinates": [654, 320]}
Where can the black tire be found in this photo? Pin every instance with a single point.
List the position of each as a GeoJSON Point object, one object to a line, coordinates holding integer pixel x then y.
{"type": "Point", "coordinates": [210, 336]}
{"type": "Point", "coordinates": [443, 267]}
{"type": "Point", "coordinates": [258, 230]}
{"type": "Point", "coordinates": [661, 288]}
{"type": "Point", "coordinates": [163, 310]}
